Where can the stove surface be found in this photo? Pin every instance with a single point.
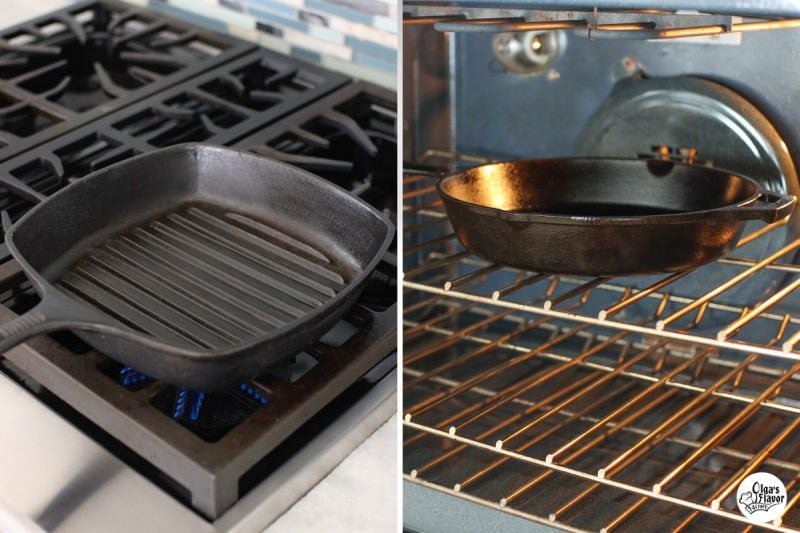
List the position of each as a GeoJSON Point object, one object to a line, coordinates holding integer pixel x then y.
{"type": "Point", "coordinates": [86, 488]}
{"type": "Point", "coordinates": [214, 108]}
{"type": "Point", "coordinates": [213, 454]}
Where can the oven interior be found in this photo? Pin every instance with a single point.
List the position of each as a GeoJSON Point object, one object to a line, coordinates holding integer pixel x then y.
{"type": "Point", "coordinates": [597, 403]}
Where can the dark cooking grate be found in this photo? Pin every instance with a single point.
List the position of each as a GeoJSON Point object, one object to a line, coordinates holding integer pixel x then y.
{"type": "Point", "coordinates": [224, 105]}
{"type": "Point", "coordinates": [348, 138]}
{"type": "Point", "coordinates": [64, 69]}
{"type": "Point", "coordinates": [185, 113]}
{"type": "Point", "coordinates": [182, 118]}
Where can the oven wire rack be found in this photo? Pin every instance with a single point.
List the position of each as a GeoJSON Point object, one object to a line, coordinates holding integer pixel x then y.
{"type": "Point", "coordinates": [662, 415]}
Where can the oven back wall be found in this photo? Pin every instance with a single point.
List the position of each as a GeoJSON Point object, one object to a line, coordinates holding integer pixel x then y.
{"type": "Point", "coordinates": [515, 116]}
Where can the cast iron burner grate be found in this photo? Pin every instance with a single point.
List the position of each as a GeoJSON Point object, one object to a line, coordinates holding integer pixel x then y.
{"type": "Point", "coordinates": [64, 69]}
{"type": "Point", "coordinates": [262, 83]}
{"type": "Point", "coordinates": [187, 113]}
{"type": "Point", "coordinates": [348, 138]}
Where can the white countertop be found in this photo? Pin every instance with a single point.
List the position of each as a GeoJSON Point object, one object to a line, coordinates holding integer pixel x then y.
{"type": "Point", "coordinates": [361, 493]}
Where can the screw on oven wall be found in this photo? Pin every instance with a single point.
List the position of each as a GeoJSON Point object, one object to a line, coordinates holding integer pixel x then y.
{"type": "Point", "coordinates": [627, 67]}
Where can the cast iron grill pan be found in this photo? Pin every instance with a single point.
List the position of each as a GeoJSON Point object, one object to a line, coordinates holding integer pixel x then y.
{"type": "Point", "coordinates": [202, 278]}
{"type": "Point", "coordinates": [604, 217]}
{"type": "Point", "coordinates": [198, 265]}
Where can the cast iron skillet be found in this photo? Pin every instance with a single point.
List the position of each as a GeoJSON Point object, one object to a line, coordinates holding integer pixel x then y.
{"type": "Point", "coordinates": [603, 217]}
{"type": "Point", "coordinates": [197, 265]}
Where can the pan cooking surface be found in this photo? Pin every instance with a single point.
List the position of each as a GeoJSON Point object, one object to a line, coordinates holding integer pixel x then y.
{"type": "Point", "coordinates": [205, 277]}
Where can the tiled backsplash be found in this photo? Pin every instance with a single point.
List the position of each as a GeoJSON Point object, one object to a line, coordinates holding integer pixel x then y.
{"type": "Point", "coordinates": [357, 37]}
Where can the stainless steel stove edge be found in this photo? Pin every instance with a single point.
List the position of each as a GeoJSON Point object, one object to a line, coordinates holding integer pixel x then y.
{"type": "Point", "coordinates": [57, 477]}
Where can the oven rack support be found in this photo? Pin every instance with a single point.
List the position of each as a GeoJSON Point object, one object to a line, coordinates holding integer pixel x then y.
{"type": "Point", "coordinates": [781, 8]}
{"type": "Point", "coordinates": [605, 21]}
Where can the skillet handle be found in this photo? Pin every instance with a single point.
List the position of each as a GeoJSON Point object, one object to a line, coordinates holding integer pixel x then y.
{"type": "Point", "coordinates": [769, 207]}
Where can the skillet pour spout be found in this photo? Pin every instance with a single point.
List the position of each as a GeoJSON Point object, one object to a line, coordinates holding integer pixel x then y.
{"type": "Point", "coordinates": [603, 216]}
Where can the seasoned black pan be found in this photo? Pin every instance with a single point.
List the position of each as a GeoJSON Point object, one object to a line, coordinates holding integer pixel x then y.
{"type": "Point", "coordinates": [198, 265]}
{"type": "Point", "coordinates": [603, 217]}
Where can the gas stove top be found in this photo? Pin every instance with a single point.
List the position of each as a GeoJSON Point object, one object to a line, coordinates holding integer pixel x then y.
{"type": "Point", "coordinates": [67, 68]}
{"type": "Point", "coordinates": [207, 450]}
{"type": "Point", "coordinates": [218, 107]}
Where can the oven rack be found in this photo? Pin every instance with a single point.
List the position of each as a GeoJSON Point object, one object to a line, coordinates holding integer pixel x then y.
{"type": "Point", "coordinates": [608, 20]}
{"type": "Point", "coordinates": [465, 277]}
{"type": "Point", "coordinates": [503, 393]}
{"type": "Point", "coordinates": [530, 411]}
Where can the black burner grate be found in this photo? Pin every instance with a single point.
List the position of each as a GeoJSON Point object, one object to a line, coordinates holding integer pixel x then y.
{"type": "Point", "coordinates": [349, 138]}
{"type": "Point", "coordinates": [67, 68]}
{"type": "Point", "coordinates": [184, 113]}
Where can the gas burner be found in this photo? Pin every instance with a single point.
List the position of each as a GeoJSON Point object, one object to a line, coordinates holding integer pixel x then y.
{"type": "Point", "coordinates": [64, 69]}
{"type": "Point", "coordinates": [99, 53]}
{"type": "Point", "coordinates": [131, 378]}
{"type": "Point", "coordinates": [210, 416]}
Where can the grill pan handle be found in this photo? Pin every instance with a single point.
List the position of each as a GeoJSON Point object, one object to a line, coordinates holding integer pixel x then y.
{"type": "Point", "coordinates": [769, 207]}
{"type": "Point", "coordinates": [53, 313]}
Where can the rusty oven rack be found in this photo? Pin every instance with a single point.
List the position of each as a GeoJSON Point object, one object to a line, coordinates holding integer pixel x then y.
{"type": "Point", "coordinates": [537, 407]}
